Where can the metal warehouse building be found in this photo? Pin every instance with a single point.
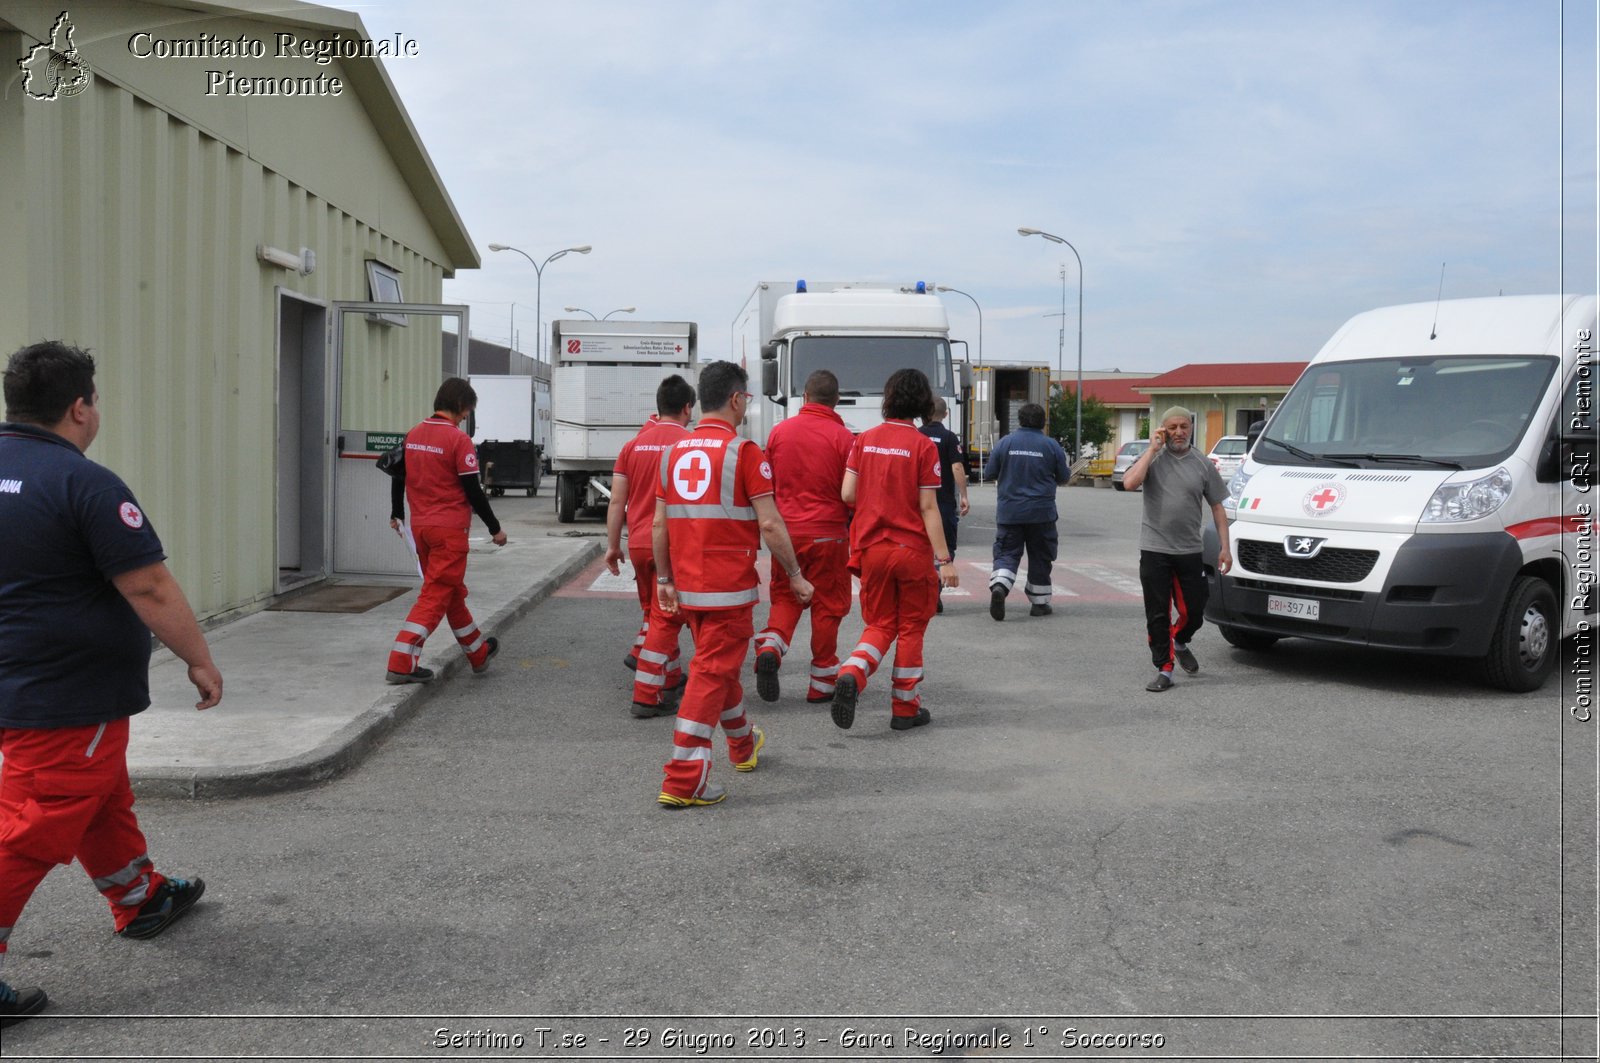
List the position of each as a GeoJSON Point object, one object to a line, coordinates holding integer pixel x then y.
{"type": "Point", "coordinates": [203, 246]}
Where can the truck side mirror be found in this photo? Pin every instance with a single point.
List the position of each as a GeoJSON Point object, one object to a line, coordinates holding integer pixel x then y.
{"type": "Point", "coordinates": [769, 380]}
{"type": "Point", "coordinates": [769, 351]}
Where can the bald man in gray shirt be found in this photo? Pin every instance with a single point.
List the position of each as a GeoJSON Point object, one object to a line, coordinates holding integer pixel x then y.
{"type": "Point", "coordinates": [1176, 479]}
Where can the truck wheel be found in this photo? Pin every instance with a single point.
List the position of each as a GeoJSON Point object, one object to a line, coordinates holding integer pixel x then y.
{"type": "Point", "coordinates": [1246, 640]}
{"type": "Point", "coordinates": [566, 498]}
{"type": "Point", "coordinates": [1522, 649]}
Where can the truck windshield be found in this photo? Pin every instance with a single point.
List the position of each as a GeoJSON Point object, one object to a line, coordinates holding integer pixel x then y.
{"type": "Point", "coordinates": [863, 363]}
{"type": "Point", "coordinates": [1454, 412]}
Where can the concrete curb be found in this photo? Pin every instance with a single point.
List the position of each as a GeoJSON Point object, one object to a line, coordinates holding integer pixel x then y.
{"type": "Point", "coordinates": [353, 742]}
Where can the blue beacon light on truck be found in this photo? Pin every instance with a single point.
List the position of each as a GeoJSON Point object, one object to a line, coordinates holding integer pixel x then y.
{"type": "Point", "coordinates": [800, 285]}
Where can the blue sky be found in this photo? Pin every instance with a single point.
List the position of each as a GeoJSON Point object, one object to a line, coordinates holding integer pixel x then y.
{"type": "Point", "coordinates": [1238, 177]}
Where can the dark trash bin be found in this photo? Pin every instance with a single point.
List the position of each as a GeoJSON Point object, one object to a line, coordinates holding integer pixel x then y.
{"type": "Point", "coordinates": [513, 464]}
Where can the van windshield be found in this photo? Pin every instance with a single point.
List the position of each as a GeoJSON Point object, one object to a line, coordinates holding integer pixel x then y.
{"type": "Point", "coordinates": [1452, 412]}
{"type": "Point", "coordinates": [863, 363]}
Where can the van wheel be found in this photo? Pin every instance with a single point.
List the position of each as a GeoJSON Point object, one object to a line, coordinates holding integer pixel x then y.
{"type": "Point", "coordinates": [566, 498]}
{"type": "Point", "coordinates": [1522, 649]}
{"type": "Point", "coordinates": [1246, 640]}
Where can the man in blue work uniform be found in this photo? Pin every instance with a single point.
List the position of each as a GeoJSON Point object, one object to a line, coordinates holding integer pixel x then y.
{"type": "Point", "coordinates": [1027, 465]}
{"type": "Point", "coordinates": [83, 585]}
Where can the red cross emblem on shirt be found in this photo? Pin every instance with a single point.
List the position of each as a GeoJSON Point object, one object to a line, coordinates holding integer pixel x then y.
{"type": "Point", "coordinates": [691, 474]}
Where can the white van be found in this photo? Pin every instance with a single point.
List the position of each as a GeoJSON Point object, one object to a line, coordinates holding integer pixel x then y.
{"type": "Point", "coordinates": [1425, 487]}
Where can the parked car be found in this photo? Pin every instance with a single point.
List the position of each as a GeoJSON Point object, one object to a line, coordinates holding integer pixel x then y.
{"type": "Point", "coordinates": [1227, 454]}
{"type": "Point", "coordinates": [1127, 454]}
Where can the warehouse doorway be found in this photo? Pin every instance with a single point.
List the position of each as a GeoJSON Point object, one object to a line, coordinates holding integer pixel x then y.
{"type": "Point", "coordinates": [302, 435]}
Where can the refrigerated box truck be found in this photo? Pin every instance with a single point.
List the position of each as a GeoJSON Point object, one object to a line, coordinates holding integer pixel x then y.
{"type": "Point", "coordinates": [603, 380]}
{"type": "Point", "coordinates": [506, 427]}
{"type": "Point", "coordinates": [1426, 486]}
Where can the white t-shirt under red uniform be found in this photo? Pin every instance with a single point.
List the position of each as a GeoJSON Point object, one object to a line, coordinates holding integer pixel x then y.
{"type": "Point", "coordinates": [893, 463]}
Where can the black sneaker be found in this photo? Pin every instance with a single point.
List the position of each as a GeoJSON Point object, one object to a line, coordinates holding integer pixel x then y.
{"type": "Point", "coordinates": [1040, 609]}
{"type": "Point", "coordinates": [767, 662]}
{"type": "Point", "coordinates": [176, 896]}
{"type": "Point", "coordinates": [1162, 681]}
{"type": "Point", "coordinates": [906, 723]}
{"type": "Point", "coordinates": [1186, 660]}
{"type": "Point", "coordinates": [416, 675]}
{"type": "Point", "coordinates": [494, 648]}
{"type": "Point", "coordinates": [19, 1004]}
{"type": "Point", "coordinates": [844, 701]}
{"type": "Point", "coordinates": [939, 608]}
{"type": "Point", "coordinates": [997, 603]}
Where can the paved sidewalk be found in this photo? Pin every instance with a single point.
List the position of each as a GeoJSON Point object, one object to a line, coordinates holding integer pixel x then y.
{"type": "Point", "coordinates": [304, 696]}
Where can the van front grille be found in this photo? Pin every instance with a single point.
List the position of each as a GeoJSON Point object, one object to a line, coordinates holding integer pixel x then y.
{"type": "Point", "coordinates": [1332, 565]}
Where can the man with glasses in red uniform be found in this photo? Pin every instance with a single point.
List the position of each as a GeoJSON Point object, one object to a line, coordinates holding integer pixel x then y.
{"type": "Point", "coordinates": [808, 453]}
{"type": "Point", "coordinates": [714, 508]}
{"type": "Point", "coordinates": [897, 545]}
{"type": "Point", "coordinates": [659, 671]}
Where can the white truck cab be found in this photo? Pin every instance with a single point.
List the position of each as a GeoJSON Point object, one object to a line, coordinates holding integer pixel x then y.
{"type": "Point", "coordinates": [1425, 486]}
{"type": "Point", "coordinates": [861, 332]}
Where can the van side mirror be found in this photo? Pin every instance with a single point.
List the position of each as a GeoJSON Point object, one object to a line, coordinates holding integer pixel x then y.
{"type": "Point", "coordinates": [1253, 433]}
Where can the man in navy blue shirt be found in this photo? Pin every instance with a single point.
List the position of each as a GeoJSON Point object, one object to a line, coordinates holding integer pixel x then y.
{"type": "Point", "coordinates": [953, 480]}
{"type": "Point", "coordinates": [1027, 465]}
{"type": "Point", "coordinates": [83, 584]}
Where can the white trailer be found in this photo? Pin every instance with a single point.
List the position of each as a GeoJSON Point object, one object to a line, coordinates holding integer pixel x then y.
{"type": "Point", "coordinates": [505, 428]}
{"type": "Point", "coordinates": [603, 380]}
{"type": "Point", "coordinates": [861, 331]}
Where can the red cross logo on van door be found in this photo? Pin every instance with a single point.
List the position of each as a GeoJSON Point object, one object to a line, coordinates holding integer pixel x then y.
{"type": "Point", "coordinates": [691, 474]}
{"type": "Point", "coordinates": [1323, 499]}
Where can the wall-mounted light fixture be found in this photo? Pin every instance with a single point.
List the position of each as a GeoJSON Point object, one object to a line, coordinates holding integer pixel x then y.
{"type": "Point", "coordinates": [305, 263]}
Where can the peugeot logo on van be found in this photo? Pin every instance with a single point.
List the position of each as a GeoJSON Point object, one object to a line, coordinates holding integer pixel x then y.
{"type": "Point", "coordinates": [1302, 546]}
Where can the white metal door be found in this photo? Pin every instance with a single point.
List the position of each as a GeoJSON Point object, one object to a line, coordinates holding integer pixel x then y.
{"type": "Point", "coordinates": [363, 543]}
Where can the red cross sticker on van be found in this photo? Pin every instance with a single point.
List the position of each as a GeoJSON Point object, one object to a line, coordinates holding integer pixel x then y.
{"type": "Point", "coordinates": [1323, 499]}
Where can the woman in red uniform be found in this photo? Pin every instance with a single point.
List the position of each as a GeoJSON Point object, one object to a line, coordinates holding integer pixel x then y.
{"type": "Point", "coordinates": [440, 479]}
{"type": "Point", "coordinates": [897, 547]}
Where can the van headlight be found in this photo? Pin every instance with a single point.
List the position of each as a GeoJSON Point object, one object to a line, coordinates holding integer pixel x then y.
{"type": "Point", "coordinates": [1230, 505]}
{"type": "Point", "coordinates": [1471, 500]}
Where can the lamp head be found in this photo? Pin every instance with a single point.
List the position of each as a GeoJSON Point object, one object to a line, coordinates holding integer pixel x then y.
{"type": "Point", "coordinates": [498, 247]}
{"type": "Point", "coordinates": [625, 310]}
{"type": "Point", "coordinates": [943, 288]}
{"type": "Point", "coordinates": [584, 250]}
{"type": "Point", "coordinates": [571, 309]}
{"type": "Point", "coordinates": [1020, 232]}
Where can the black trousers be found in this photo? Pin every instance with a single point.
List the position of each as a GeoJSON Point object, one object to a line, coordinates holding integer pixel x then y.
{"type": "Point", "coordinates": [1171, 582]}
{"type": "Point", "coordinates": [948, 516]}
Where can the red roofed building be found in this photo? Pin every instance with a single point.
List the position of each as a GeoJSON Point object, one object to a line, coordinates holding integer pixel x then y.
{"type": "Point", "coordinates": [1226, 397]}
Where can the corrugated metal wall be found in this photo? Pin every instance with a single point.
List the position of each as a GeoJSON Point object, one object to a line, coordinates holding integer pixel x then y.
{"type": "Point", "coordinates": [140, 235]}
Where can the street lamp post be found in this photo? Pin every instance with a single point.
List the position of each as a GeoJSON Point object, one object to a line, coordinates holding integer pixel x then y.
{"type": "Point", "coordinates": [538, 286]}
{"type": "Point", "coordinates": [605, 317]}
{"type": "Point", "coordinates": [984, 434]}
{"type": "Point", "coordinates": [1078, 439]}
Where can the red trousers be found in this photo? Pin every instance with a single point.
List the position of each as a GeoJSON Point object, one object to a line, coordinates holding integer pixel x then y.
{"type": "Point", "coordinates": [899, 594]}
{"type": "Point", "coordinates": [656, 647]}
{"type": "Point", "coordinates": [63, 794]}
{"type": "Point", "coordinates": [825, 562]}
{"type": "Point", "coordinates": [713, 697]}
{"type": "Point", "coordinates": [443, 554]}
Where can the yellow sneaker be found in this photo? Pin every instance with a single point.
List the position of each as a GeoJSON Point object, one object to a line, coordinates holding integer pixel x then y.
{"type": "Point", "coordinates": [750, 765]}
{"type": "Point", "coordinates": [710, 795]}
